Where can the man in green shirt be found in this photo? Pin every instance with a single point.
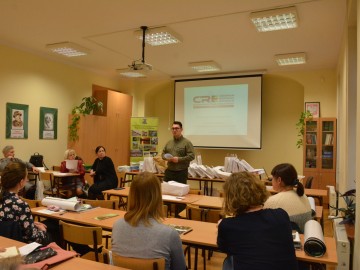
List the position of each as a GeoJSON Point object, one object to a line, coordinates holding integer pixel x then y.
{"type": "Point", "coordinates": [178, 152]}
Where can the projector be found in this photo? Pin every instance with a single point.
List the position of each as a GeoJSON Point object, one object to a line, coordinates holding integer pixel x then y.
{"type": "Point", "coordinates": [140, 66]}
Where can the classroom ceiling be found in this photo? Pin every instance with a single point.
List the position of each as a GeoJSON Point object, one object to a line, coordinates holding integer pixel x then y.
{"type": "Point", "coordinates": [218, 30]}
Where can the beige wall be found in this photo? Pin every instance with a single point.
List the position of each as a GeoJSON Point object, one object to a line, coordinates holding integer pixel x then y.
{"type": "Point", "coordinates": [37, 82]}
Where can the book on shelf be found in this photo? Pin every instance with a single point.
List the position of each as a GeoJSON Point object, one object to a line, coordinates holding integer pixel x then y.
{"type": "Point", "coordinates": [329, 139]}
{"type": "Point", "coordinates": [181, 229]}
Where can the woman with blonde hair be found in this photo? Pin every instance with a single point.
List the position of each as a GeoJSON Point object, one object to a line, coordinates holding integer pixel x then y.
{"type": "Point", "coordinates": [140, 233]}
{"type": "Point", "coordinates": [256, 238]}
{"type": "Point", "coordinates": [70, 154]}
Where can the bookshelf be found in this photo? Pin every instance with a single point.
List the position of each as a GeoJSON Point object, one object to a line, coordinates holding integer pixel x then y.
{"type": "Point", "coordinates": [320, 151]}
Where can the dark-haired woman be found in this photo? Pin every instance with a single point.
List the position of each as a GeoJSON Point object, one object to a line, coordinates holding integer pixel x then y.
{"type": "Point", "coordinates": [12, 208]}
{"type": "Point", "coordinates": [290, 196]}
{"type": "Point", "coordinates": [104, 174]}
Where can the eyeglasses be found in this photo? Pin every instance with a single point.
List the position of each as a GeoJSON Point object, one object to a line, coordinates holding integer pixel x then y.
{"type": "Point", "coordinates": [175, 128]}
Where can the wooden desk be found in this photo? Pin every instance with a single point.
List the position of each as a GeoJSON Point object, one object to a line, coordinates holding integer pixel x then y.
{"type": "Point", "coordinates": [204, 234]}
{"type": "Point", "coordinates": [57, 179]}
{"type": "Point", "coordinates": [124, 193]}
{"type": "Point", "coordinates": [209, 202]}
{"type": "Point", "coordinates": [207, 191]}
{"type": "Point", "coordinates": [310, 192]}
{"type": "Point", "coordinates": [73, 263]}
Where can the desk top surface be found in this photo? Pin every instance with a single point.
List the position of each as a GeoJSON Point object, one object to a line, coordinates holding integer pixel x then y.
{"type": "Point", "coordinates": [203, 233]}
{"type": "Point", "coordinates": [308, 191]}
{"type": "Point", "coordinates": [73, 263]}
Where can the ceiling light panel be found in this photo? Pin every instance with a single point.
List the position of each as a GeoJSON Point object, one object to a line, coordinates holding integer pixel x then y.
{"type": "Point", "coordinates": [275, 19]}
{"type": "Point", "coordinates": [159, 36]}
{"type": "Point", "coordinates": [207, 66]}
{"type": "Point", "coordinates": [67, 49]}
{"type": "Point", "coordinates": [290, 59]}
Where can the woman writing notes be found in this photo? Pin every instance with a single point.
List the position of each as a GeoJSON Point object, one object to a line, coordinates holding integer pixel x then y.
{"type": "Point", "coordinates": [294, 202]}
{"type": "Point", "coordinates": [104, 174]}
{"type": "Point", "coordinates": [141, 234]}
{"type": "Point", "coordinates": [256, 238]}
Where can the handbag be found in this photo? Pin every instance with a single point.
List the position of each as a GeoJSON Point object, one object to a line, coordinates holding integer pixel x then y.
{"type": "Point", "coordinates": [37, 160]}
{"type": "Point", "coordinates": [39, 255]}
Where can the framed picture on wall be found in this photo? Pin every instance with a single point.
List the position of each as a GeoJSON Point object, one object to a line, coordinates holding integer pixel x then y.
{"type": "Point", "coordinates": [48, 123]}
{"type": "Point", "coordinates": [17, 116]}
{"type": "Point", "coordinates": [314, 108]}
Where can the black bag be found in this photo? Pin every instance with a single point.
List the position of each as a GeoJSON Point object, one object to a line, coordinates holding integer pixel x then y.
{"type": "Point", "coordinates": [37, 160]}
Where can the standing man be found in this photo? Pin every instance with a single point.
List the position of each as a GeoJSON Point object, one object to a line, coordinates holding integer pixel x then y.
{"type": "Point", "coordinates": [178, 152]}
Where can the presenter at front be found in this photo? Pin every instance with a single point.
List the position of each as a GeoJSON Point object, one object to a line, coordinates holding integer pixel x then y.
{"type": "Point", "coordinates": [178, 152]}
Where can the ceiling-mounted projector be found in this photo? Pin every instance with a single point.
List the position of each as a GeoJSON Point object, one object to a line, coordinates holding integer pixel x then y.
{"type": "Point", "coordinates": [139, 65]}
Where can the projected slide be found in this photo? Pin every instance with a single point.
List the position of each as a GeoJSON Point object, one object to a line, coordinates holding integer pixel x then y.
{"type": "Point", "coordinates": [220, 112]}
{"type": "Point", "coordinates": [216, 110]}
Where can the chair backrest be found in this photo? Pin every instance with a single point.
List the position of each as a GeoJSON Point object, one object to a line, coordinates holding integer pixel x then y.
{"type": "Point", "coordinates": [133, 263]}
{"type": "Point", "coordinates": [165, 209]}
{"type": "Point", "coordinates": [111, 204]}
{"type": "Point", "coordinates": [81, 235]}
{"type": "Point", "coordinates": [308, 183]}
{"type": "Point", "coordinates": [56, 168]}
{"type": "Point", "coordinates": [32, 203]}
{"type": "Point", "coordinates": [11, 229]}
{"type": "Point", "coordinates": [203, 214]}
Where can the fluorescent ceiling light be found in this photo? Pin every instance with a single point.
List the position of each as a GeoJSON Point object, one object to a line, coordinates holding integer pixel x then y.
{"type": "Point", "coordinates": [158, 36]}
{"type": "Point", "coordinates": [290, 59]}
{"type": "Point", "coordinates": [206, 66]}
{"type": "Point", "coordinates": [67, 49]}
{"type": "Point", "coordinates": [130, 73]}
{"type": "Point", "coordinates": [275, 19]}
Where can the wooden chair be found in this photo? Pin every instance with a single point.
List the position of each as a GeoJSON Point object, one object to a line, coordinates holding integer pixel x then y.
{"type": "Point", "coordinates": [133, 263]}
{"type": "Point", "coordinates": [165, 209]}
{"type": "Point", "coordinates": [111, 204]}
{"type": "Point", "coordinates": [182, 214]}
{"type": "Point", "coordinates": [81, 235]}
{"type": "Point", "coordinates": [201, 214]}
{"type": "Point", "coordinates": [32, 203]}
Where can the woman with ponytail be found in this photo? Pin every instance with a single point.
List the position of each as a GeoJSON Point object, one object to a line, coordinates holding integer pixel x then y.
{"type": "Point", "coordinates": [13, 208]}
{"type": "Point", "coordinates": [290, 196]}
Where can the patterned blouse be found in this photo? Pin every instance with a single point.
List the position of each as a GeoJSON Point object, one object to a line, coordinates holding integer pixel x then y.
{"type": "Point", "coordinates": [12, 208]}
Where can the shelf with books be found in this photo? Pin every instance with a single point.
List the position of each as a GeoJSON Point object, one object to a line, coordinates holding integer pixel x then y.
{"type": "Point", "coordinates": [320, 151]}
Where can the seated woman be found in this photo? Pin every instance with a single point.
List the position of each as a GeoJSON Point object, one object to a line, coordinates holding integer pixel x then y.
{"type": "Point", "coordinates": [140, 233]}
{"type": "Point", "coordinates": [12, 208]}
{"type": "Point", "coordinates": [80, 181]}
{"type": "Point", "coordinates": [104, 174]}
{"type": "Point", "coordinates": [256, 238]}
{"type": "Point", "coordinates": [295, 203]}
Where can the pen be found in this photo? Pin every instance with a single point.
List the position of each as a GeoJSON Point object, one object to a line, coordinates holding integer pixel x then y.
{"type": "Point", "coordinates": [188, 231]}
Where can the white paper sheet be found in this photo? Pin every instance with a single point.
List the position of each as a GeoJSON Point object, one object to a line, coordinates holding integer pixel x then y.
{"type": "Point", "coordinates": [72, 205]}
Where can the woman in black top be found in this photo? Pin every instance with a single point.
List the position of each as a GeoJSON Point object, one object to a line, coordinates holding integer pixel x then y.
{"type": "Point", "coordinates": [104, 174]}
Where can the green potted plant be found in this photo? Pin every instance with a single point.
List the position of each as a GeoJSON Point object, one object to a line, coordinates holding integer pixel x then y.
{"type": "Point", "coordinates": [87, 106]}
{"type": "Point", "coordinates": [348, 211]}
{"type": "Point", "coordinates": [300, 126]}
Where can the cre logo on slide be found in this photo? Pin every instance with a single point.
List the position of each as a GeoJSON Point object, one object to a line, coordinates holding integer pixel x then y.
{"type": "Point", "coordinates": [214, 101]}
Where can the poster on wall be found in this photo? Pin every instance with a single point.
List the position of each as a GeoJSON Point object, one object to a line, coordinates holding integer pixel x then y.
{"type": "Point", "coordinates": [48, 123]}
{"type": "Point", "coordinates": [144, 138]}
{"type": "Point", "coordinates": [17, 116]}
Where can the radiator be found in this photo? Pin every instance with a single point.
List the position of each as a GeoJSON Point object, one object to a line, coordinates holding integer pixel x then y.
{"type": "Point", "coordinates": [332, 201]}
{"type": "Point", "coordinates": [342, 245]}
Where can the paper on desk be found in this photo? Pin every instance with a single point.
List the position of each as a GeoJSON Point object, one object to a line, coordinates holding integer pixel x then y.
{"type": "Point", "coordinates": [61, 174]}
{"type": "Point", "coordinates": [25, 250]}
{"type": "Point", "coordinates": [72, 205]}
{"type": "Point", "coordinates": [173, 198]}
{"type": "Point", "coordinates": [9, 252]}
